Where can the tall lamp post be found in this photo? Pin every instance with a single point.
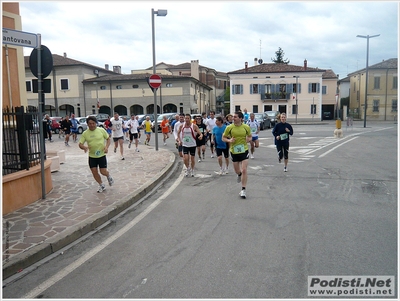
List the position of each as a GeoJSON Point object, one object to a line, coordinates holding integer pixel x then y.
{"type": "Point", "coordinates": [159, 13]}
{"type": "Point", "coordinates": [366, 75]}
{"type": "Point", "coordinates": [297, 88]}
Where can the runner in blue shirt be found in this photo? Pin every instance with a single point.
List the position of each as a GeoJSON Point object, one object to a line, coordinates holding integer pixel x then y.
{"type": "Point", "coordinates": [221, 146]}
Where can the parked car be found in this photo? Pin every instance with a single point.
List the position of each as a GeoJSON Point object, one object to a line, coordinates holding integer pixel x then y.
{"type": "Point", "coordinates": [143, 118]}
{"type": "Point", "coordinates": [82, 125]}
{"type": "Point", "coordinates": [326, 115]}
{"type": "Point", "coordinates": [101, 117]}
{"type": "Point", "coordinates": [170, 117]}
{"type": "Point", "coordinates": [273, 115]}
{"type": "Point", "coordinates": [264, 120]}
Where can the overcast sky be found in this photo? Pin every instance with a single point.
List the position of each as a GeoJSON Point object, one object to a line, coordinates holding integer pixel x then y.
{"type": "Point", "coordinates": [222, 35]}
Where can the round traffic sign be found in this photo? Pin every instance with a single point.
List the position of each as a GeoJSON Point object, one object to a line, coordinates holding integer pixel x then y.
{"type": "Point", "coordinates": [155, 81]}
{"type": "Point", "coordinates": [46, 61]}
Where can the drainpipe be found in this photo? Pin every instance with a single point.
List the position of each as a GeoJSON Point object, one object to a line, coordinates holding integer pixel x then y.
{"type": "Point", "coordinates": [386, 92]}
{"type": "Point", "coordinates": [55, 91]}
{"type": "Point", "coordinates": [111, 101]}
{"type": "Point", "coordinates": [8, 77]}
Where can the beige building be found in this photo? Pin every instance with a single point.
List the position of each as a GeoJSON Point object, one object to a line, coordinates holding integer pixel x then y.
{"type": "Point", "coordinates": [382, 91]}
{"type": "Point", "coordinates": [13, 84]}
{"type": "Point", "coordinates": [299, 91]}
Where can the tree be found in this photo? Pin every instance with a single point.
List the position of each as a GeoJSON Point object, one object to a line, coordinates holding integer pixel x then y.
{"type": "Point", "coordinates": [279, 57]}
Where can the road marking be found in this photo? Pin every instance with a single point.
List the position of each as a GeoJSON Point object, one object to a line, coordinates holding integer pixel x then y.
{"type": "Point", "coordinates": [69, 269]}
{"type": "Point", "coordinates": [332, 149]}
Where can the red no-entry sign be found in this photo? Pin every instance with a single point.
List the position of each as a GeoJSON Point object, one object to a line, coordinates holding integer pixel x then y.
{"type": "Point", "coordinates": [155, 81]}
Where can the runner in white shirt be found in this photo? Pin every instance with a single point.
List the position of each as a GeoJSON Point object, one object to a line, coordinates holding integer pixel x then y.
{"type": "Point", "coordinates": [117, 126]}
{"type": "Point", "coordinates": [132, 124]}
{"type": "Point", "coordinates": [177, 125]}
{"type": "Point", "coordinates": [210, 123]}
{"type": "Point", "coordinates": [255, 129]}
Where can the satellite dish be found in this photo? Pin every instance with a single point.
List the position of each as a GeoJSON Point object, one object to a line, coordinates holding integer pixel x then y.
{"type": "Point", "coordinates": [260, 61]}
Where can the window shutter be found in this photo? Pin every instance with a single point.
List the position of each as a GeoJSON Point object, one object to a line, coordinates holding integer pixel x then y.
{"type": "Point", "coordinates": [289, 88]}
{"type": "Point", "coordinates": [241, 89]}
{"type": "Point", "coordinates": [299, 87]}
{"type": "Point", "coordinates": [318, 87]}
{"type": "Point", "coordinates": [262, 91]}
{"type": "Point", "coordinates": [309, 87]}
{"type": "Point", "coordinates": [323, 89]}
{"type": "Point", "coordinates": [233, 89]}
{"type": "Point", "coordinates": [251, 88]}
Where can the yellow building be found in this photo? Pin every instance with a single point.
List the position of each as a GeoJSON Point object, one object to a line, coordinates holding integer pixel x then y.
{"type": "Point", "coordinates": [382, 91]}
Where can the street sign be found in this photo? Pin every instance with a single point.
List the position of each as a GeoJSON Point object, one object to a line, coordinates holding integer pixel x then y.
{"type": "Point", "coordinates": [46, 61]}
{"type": "Point", "coordinates": [20, 38]}
{"type": "Point", "coordinates": [155, 81]}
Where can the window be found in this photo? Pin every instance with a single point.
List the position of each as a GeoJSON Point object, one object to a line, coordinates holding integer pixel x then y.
{"type": "Point", "coordinates": [103, 87]}
{"type": "Point", "coordinates": [255, 109]}
{"type": "Point", "coordinates": [394, 82]}
{"type": "Point", "coordinates": [119, 87]}
{"type": "Point", "coordinates": [377, 82]}
{"type": "Point", "coordinates": [28, 86]}
{"type": "Point", "coordinates": [169, 85]}
{"type": "Point", "coordinates": [313, 88]}
{"type": "Point", "coordinates": [237, 108]}
{"type": "Point", "coordinates": [323, 89]}
{"type": "Point", "coordinates": [237, 89]}
{"type": "Point", "coordinates": [313, 109]}
{"type": "Point", "coordinates": [64, 84]}
{"type": "Point", "coordinates": [375, 107]}
{"type": "Point", "coordinates": [135, 86]}
{"type": "Point", "coordinates": [267, 108]}
{"type": "Point", "coordinates": [394, 105]}
{"type": "Point", "coordinates": [254, 89]}
{"type": "Point", "coordinates": [294, 109]}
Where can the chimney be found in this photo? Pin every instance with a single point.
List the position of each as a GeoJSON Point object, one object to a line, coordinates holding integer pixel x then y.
{"type": "Point", "coordinates": [117, 69]}
{"type": "Point", "coordinates": [194, 69]}
{"type": "Point", "coordinates": [65, 54]}
{"type": "Point", "coordinates": [255, 61]}
{"type": "Point", "coordinates": [305, 65]}
{"type": "Point", "coordinates": [107, 67]}
{"type": "Point", "coordinates": [246, 65]}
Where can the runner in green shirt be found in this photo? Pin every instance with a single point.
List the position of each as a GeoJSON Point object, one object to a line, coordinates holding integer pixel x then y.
{"type": "Point", "coordinates": [238, 135]}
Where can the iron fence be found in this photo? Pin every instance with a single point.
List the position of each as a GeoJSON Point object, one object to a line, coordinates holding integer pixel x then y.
{"type": "Point", "coordinates": [21, 139]}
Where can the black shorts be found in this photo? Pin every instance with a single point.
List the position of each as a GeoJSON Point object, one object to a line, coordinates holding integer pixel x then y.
{"type": "Point", "coordinates": [240, 157]}
{"type": "Point", "coordinates": [200, 142]}
{"type": "Point", "coordinates": [189, 150]}
{"type": "Point", "coordinates": [118, 138]}
{"type": "Point", "coordinates": [67, 132]}
{"type": "Point", "coordinates": [100, 162]}
{"type": "Point", "coordinates": [224, 151]}
{"type": "Point", "coordinates": [133, 135]}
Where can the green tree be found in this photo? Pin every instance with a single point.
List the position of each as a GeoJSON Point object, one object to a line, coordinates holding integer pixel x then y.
{"type": "Point", "coordinates": [279, 57]}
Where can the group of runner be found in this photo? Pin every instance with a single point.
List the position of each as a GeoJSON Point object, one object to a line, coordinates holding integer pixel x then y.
{"type": "Point", "coordinates": [225, 137]}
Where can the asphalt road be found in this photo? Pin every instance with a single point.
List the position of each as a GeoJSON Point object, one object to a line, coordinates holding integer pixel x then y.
{"type": "Point", "coordinates": [333, 213]}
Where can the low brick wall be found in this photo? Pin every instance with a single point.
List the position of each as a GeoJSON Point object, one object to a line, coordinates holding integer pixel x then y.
{"type": "Point", "coordinates": [24, 187]}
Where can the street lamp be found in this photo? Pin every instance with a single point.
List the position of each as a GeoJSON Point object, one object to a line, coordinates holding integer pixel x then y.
{"type": "Point", "coordinates": [366, 75]}
{"type": "Point", "coordinates": [297, 88]}
{"type": "Point", "coordinates": [159, 13]}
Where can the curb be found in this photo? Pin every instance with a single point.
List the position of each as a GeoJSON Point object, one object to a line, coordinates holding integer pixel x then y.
{"type": "Point", "coordinates": [54, 244]}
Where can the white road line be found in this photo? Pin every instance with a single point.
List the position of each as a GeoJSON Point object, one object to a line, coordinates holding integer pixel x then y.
{"type": "Point", "coordinates": [67, 270]}
{"type": "Point", "coordinates": [332, 149]}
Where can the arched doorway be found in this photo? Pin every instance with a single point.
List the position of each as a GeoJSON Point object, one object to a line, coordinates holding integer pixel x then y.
{"type": "Point", "coordinates": [121, 110]}
{"type": "Point", "coordinates": [170, 108]}
{"type": "Point", "coordinates": [150, 109]}
{"type": "Point", "coordinates": [137, 110]}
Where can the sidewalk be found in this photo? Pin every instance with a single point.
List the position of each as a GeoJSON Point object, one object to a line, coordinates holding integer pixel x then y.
{"type": "Point", "coordinates": [74, 207]}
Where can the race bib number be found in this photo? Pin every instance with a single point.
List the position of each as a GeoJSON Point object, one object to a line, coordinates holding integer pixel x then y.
{"type": "Point", "coordinates": [238, 149]}
{"type": "Point", "coordinates": [253, 130]}
{"type": "Point", "coordinates": [97, 152]}
{"type": "Point", "coordinates": [284, 136]}
{"type": "Point", "coordinates": [186, 138]}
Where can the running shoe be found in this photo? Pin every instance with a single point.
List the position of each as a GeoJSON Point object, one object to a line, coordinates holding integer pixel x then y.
{"type": "Point", "coordinates": [226, 171]}
{"type": "Point", "coordinates": [285, 169]}
{"type": "Point", "coordinates": [122, 158]}
{"type": "Point", "coordinates": [110, 180]}
{"type": "Point", "coordinates": [212, 155]}
{"type": "Point", "coordinates": [192, 172]}
{"type": "Point", "coordinates": [115, 149]}
{"type": "Point", "coordinates": [239, 178]}
{"type": "Point", "coordinates": [187, 172]}
{"type": "Point", "coordinates": [243, 193]}
{"type": "Point", "coordinates": [102, 187]}
{"type": "Point", "coordinates": [137, 150]}
{"type": "Point", "coordinates": [129, 146]}
{"type": "Point", "coordinates": [251, 156]}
